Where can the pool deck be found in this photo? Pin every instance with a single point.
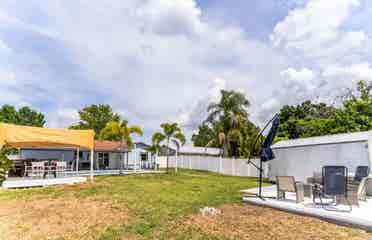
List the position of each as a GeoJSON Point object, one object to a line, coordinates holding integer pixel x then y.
{"type": "Point", "coordinates": [40, 182]}
{"type": "Point", "coordinates": [69, 178]}
{"type": "Point", "coordinates": [360, 216]}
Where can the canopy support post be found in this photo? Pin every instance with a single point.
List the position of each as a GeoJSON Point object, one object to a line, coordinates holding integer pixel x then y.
{"type": "Point", "coordinates": [135, 157]}
{"type": "Point", "coordinates": [176, 167]}
{"type": "Point", "coordinates": [91, 164]}
{"type": "Point", "coordinates": [77, 160]}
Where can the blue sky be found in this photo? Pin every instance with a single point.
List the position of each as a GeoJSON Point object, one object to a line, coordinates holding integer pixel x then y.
{"type": "Point", "coordinates": [166, 60]}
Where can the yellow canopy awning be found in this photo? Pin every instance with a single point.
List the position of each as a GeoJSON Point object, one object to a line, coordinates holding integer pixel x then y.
{"type": "Point", "coordinates": [24, 136]}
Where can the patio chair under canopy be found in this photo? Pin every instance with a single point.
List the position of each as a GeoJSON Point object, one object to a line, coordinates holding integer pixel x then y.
{"type": "Point", "coordinates": [24, 136]}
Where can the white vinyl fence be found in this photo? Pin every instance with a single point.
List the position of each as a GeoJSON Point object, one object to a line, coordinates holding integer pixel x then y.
{"type": "Point", "coordinates": [228, 166]}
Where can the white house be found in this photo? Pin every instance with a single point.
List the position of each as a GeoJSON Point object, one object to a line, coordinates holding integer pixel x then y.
{"type": "Point", "coordinates": [302, 158]}
{"type": "Point", "coordinates": [140, 154]}
{"type": "Point", "coordinates": [108, 155]}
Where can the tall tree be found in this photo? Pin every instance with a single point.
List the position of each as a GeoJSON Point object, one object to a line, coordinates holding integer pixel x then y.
{"type": "Point", "coordinates": [8, 114]}
{"type": "Point", "coordinates": [29, 117]}
{"type": "Point", "coordinates": [356, 113]}
{"type": "Point", "coordinates": [305, 120]}
{"type": "Point", "coordinates": [309, 119]}
{"type": "Point", "coordinates": [230, 110]}
{"type": "Point", "coordinates": [171, 132]}
{"type": "Point", "coordinates": [96, 117]}
{"type": "Point", "coordinates": [120, 131]}
{"type": "Point", "coordinates": [23, 116]}
{"type": "Point", "coordinates": [226, 120]}
{"type": "Point", "coordinates": [205, 135]}
{"type": "Point", "coordinates": [210, 135]}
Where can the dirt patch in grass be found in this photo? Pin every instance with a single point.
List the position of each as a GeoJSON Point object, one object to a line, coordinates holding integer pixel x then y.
{"type": "Point", "coordinates": [251, 222]}
{"type": "Point", "coordinates": [58, 218]}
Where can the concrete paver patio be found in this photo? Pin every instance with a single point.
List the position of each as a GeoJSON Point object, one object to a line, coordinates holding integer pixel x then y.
{"type": "Point", "coordinates": [360, 216]}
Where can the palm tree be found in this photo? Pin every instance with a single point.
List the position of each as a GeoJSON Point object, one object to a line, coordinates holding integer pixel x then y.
{"type": "Point", "coordinates": [155, 148]}
{"type": "Point", "coordinates": [228, 117]}
{"type": "Point", "coordinates": [120, 131]}
{"type": "Point", "coordinates": [171, 132]}
{"type": "Point", "coordinates": [230, 110]}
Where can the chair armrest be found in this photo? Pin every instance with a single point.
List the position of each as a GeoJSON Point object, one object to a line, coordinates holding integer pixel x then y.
{"type": "Point", "coordinates": [362, 190]}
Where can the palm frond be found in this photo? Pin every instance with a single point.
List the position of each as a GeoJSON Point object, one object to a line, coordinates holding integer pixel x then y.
{"type": "Point", "coordinates": [136, 129]}
{"type": "Point", "coordinates": [157, 138]}
{"type": "Point", "coordinates": [179, 135]}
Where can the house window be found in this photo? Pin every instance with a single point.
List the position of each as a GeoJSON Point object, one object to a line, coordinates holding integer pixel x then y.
{"type": "Point", "coordinates": [80, 155]}
{"type": "Point", "coordinates": [143, 156]}
{"type": "Point", "coordinates": [103, 160]}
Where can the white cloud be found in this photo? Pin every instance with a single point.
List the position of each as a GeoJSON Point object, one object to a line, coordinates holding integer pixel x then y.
{"type": "Point", "coordinates": [214, 92]}
{"type": "Point", "coordinates": [356, 72]}
{"type": "Point", "coordinates": [297, 86]}
{"type": "Point", "coordinates": [4, 48]}
{"type": "Point", "coordinates": [316, 30]}
{"type": "Point", "coordinates": [7, 79]}
{"type": "Point", "coordinates": [8, 91]}
{"type": "Point", "coordinates": [62, 118]}
{"type": "Point", "coordinates": [334, 55]}
{"type": "Point", "coordinates": [157, 60]}
{"type": "Point", "coordinates": [301, 75]}
{"type": "Point", "coordinates": [191, 117]}
{"type": "Point", "coordinates": [326, 86]}
{"type": "Point", "coordinates": [171, 17]}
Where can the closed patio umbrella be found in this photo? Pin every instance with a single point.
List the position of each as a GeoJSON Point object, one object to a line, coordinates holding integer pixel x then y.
{"type": "Point", "coordinates": [266, 153]}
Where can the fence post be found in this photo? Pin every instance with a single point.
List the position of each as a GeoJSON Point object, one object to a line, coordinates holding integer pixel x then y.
{"type": "Point", "coordinates": [220, 165]}
{"type": "Point", "coordinates": [248, 170]}
{"type": "Point", "coordinates": [233, 166]}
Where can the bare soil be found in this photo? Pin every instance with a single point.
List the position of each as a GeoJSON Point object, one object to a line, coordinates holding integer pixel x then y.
{"type": "Point", "coordinates": [252, 222]}
{"type": "Point", "coordinates": [61, 218]}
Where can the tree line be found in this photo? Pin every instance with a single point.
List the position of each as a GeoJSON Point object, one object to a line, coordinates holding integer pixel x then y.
{"type": "Point", "coordinates": [227, 125]}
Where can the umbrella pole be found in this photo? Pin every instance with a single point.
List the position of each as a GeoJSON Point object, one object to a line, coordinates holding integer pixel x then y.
{"type": "Point", "coordinates": [260, 183]}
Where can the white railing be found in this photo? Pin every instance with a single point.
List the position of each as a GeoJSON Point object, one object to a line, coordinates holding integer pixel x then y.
{"type": "Point", "coordinates": [228, 166]}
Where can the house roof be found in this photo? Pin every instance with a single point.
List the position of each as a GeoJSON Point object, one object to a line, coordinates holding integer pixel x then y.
{"type": "Point", "coordinates": [328, 139]}
{"type": "Point", "coordinates": [141, 145]}
{"type": "Point", "coordinates": [109, 146]}
{"type": "Point", "coordinates": [199, 150]}
{"type": "Point", "coordinates": [164, 150]}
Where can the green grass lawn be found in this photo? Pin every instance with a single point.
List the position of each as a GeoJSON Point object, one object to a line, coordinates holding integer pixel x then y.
{"type": "Point", "coordinates": [154, 206]}
{"type": "Point", "coordinates": [154, 201]}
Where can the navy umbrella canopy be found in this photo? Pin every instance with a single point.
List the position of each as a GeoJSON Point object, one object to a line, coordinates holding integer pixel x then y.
{"type": "Point", "coordinates": [266, 153]}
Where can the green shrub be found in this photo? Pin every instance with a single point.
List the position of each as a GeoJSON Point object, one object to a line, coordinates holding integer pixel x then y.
{"type": "Point", "coordinates": [5, 163]}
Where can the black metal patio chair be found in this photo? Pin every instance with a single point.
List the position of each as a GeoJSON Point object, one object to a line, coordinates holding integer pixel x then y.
{"type": "Point", "coordinates": [334, 185]}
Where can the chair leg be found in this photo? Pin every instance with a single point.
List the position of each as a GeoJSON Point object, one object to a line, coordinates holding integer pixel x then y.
{"type": "Point", "coordinates": [280, 195]}
{"type": "Point", "coordinates": [300, 193]}
{"type": "Point", "coordinates": [299, 197]}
